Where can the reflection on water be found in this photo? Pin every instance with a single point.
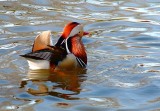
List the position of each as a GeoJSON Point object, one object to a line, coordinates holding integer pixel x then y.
{"type": "Point", "coordinates": [65, 83]}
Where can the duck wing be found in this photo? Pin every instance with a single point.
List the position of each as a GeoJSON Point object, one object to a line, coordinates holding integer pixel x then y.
{"type": "Point", "coordinates": [53, 54]}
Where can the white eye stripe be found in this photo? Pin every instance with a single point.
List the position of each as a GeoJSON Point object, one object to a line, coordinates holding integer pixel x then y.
{"type": "Point", "coordinates": [75, 30]}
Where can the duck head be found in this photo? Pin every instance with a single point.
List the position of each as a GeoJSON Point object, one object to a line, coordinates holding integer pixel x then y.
{"type": "Point", "coordinates": [71, 41]}
{"type": "Point", "coordinates": [70, 30]}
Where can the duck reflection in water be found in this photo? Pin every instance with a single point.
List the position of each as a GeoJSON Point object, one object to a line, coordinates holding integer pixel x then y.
{"type": "Point", "coordinates": [62, 84]}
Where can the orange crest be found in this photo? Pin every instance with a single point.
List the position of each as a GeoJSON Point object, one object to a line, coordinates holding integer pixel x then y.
{"type": "Point", "coordinates": [68, 28]}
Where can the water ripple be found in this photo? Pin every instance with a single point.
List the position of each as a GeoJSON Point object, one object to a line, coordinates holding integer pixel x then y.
{"type": "Point", "coordinates": [123, 55]}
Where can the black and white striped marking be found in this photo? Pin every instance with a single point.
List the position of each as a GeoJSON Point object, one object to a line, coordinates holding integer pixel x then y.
{"type": "Point", "coordinates": [81, 63]}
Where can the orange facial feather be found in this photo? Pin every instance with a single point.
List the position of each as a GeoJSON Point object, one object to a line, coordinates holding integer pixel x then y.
{"type": "Point", "coordinates": [78, 49]}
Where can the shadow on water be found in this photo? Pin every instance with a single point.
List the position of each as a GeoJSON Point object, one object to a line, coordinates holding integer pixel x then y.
{"type": "Point", "coordinates": [62, 84]}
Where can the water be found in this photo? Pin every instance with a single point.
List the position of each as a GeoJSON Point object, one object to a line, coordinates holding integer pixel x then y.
{"type": "Point", "coordinates": [123, 56]}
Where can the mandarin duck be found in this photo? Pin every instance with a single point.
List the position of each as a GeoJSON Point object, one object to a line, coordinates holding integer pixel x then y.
{"type": "Point", "coordinates": [67, 53]}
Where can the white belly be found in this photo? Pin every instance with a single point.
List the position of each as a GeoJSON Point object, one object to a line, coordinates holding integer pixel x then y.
{"type": "Point", "coordinates": [38, 64]}
{"type": "Point", "coordinates": [68, 63]}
